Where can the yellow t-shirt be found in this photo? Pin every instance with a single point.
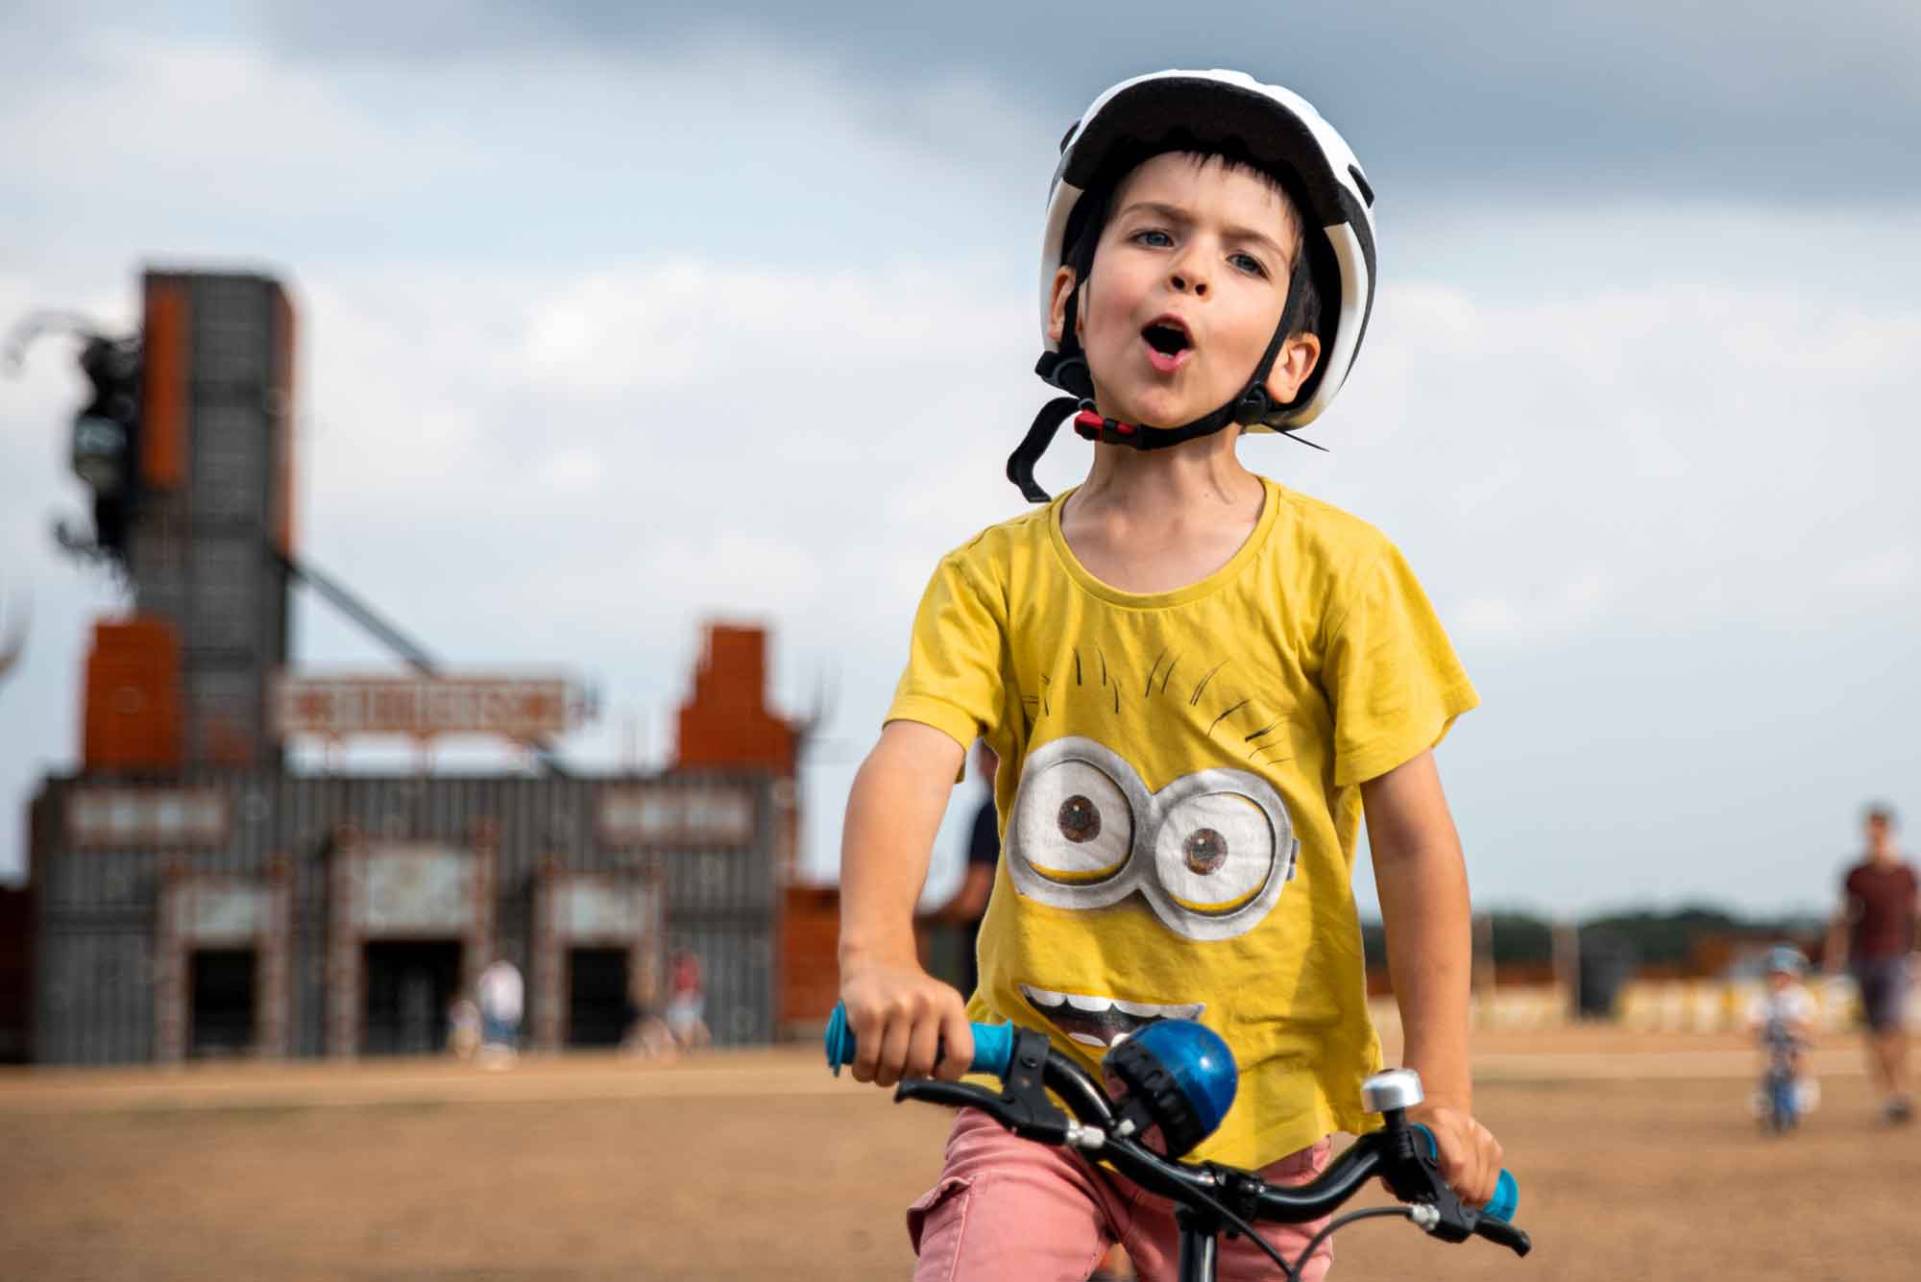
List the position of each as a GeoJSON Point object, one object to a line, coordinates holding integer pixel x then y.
{"type": "Point", "coordinates": [1178, 795]}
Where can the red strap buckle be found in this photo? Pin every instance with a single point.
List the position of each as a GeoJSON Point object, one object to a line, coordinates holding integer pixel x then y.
{"type": "Point", "coordinates": [1095, 424]}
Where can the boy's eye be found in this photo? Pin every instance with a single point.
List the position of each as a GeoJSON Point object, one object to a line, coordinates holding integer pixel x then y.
{"type": "Point", "coordinates": [1153, 237]}
{"type": "Point", "coordinates": [1248, 263]}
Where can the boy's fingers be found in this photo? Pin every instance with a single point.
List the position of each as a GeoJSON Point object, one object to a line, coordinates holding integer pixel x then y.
{"type": "Point", "coordinates": [1495, 1155]}
{"type": "Point", "coordinates": [1470, 1162]}
{"type": "Point", "coordinates": [1477, 1184]}
{"type": "Point", "coordinates": [893, 1049]}
{"type": "Point", "coordinates": [923, 1046]}
{"type": "Point", "coordinates": [1455, 1166]}
{"type": "Point", "coordinates": [867, 1026]}
{"type": "Point", "coordinates": [957, 1044]}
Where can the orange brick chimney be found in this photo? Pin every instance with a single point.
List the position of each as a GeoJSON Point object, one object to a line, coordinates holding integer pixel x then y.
{"type": "Point", "coordinates": [726, 721]}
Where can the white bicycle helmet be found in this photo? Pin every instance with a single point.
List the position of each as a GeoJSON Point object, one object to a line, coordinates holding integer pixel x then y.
{"type": "Point", "coordinates": [1278, 132]}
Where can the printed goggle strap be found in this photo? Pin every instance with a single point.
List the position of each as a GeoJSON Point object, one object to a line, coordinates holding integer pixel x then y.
{"type": "Point", "coordinates": [1067, 369]}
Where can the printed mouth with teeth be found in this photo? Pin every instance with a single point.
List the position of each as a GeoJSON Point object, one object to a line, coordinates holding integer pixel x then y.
{"type": "Point", "coordinates": [1102, 1022]}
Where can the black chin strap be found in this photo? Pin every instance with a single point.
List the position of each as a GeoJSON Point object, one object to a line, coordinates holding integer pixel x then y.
{"type": "Point", "coordinates": [1067, 370]}
{"type": "Point", "coordinates": [1020, 464]}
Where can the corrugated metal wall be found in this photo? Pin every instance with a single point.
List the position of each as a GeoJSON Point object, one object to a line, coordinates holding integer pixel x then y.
{"type": "Point", "coordinates": [98, 908]}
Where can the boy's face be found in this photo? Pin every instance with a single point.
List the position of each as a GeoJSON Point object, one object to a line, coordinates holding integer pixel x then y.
{"type": "Point", "coordinates": [1187, 286]}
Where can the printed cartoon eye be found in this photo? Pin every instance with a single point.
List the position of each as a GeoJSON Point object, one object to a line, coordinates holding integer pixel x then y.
{"type": "Point", "coordinates": [1214, 852]}
{"type": "Point", "coordinates": [1074, 823]}
{"type": "Point", "coordinates": [1204, 851]}
{"type": "Point", "coordinates": [1080, 819]}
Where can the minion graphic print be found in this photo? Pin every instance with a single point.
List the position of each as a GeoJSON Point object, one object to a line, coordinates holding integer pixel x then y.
{"type": "Point", "coordinates": [1178, 791]}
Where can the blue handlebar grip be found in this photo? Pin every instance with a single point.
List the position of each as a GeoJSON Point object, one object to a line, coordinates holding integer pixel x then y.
{"type": "Point", "coordinates": [993, 1044]}
{"type": "Point", "coordinates": [1507, 1193]}
{"type": "Point", "coordinates": [1507, 1197]}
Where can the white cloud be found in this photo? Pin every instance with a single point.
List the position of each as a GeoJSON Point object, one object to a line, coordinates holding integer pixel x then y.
{"type": "Point", "coordinates": [1882, 573]}
{"type": "Point", "coordinates": [1688, 447]}
{"type": "Point", "coordinates": [531, 447]}
{"type": "Point", "coordinates": [166, 126]}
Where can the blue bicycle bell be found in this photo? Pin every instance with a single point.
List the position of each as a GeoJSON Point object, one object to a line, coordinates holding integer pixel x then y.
{"type": "Point", "coordinates": [1179, 1078]}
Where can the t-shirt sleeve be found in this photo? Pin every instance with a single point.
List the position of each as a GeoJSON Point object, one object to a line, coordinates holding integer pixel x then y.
{"type": "Point", "coordinates": [1390, 674]}
{"type": "Point", "coordinates": [953, 676]}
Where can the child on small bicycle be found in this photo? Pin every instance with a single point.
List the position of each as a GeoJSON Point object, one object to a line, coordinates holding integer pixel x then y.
{"type": "Point", "coordinates": [1782, 1019]}
{"type": "Point", "coordinates": [1199, 684]}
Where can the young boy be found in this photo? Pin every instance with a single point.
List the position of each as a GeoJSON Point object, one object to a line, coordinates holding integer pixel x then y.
{"type": "Point", "coordinates": [1782, 1019]}
{"type": "Point", "coordinates": [1197, 683]}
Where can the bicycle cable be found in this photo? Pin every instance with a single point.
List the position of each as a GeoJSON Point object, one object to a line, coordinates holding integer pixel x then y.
{"type": "Point", "coordinates": [1248, 1231]}
{"type": "Point", "coordinates": [1292, 1272]}
{"type": "Point", "coordinates": [1340, 1222]}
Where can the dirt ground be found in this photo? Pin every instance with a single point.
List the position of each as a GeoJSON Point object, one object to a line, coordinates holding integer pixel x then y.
{"type": "Point", "coordinates": [1636, 1156]}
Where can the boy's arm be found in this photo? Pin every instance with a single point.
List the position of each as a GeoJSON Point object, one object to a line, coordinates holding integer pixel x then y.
{"type": "Point", "coordinates": [1422, 880]}
{"type": "Point", "coordinates": [902, 1017]}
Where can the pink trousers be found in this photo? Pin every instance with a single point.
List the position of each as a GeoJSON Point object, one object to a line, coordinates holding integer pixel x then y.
{"type": "Point", "coordinates": [1008, 1208]}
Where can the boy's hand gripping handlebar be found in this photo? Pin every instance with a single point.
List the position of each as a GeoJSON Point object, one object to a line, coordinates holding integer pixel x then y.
{"type": "Point", "coordinates": [993, 1044]}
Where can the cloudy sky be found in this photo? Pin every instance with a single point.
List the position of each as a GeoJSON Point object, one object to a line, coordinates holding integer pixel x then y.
{"type": "Point", "coordinates": [616, 318]}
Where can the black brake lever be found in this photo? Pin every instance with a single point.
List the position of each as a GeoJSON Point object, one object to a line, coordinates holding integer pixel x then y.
{"type": "Point", "coordinates": [1022, 1106]}
{"type": "Point", "coordinates": [951, 1094]}
{"type": "Point", "coordinates": [1502, 1233]}
{"type": "Point", "coordinates": [1414, 1176]}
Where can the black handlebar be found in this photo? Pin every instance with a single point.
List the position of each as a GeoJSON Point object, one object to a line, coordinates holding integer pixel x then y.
{"type": "Point", "coordinates": [1396, 1152]}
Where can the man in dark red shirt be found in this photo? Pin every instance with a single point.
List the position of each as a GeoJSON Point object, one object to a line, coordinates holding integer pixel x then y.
{"type": "Point", "coordinates": [1874, 934]}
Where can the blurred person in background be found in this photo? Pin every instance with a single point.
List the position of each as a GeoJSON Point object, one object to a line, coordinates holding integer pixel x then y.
{"type": "Point", "coordinates": [1873, 934]}
{"type": "Point", "coordinates": [1782, 1017]}
{"type": "Point", "coordinates": [965, 909]}
{"type": "Point", "coordinates": [463, 1028]}
{"type": "Point", "coordinates": [647, 1034]}
{"type": "Point", "coordinates": [687, 1003]}
{"type": "Point", "coordinates": [502, 998]}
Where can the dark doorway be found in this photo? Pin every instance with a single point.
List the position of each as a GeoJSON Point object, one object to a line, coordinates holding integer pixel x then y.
{"type": "Point", "coordinates": [597, 1012]}
{"type": "Point", "coordinates": [222, 985]}
{"type": "Point", "coordinates": [410, 984]}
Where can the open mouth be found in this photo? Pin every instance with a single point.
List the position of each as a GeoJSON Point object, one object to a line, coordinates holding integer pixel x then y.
{"type": "Point", "coordinates": [1102, 1022]}
{"type": "Point", "coordinates": [1168, 343]}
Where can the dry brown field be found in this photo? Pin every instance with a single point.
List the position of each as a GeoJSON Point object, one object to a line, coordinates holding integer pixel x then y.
{"type": "Point", "coordinates": [1636, 1156]}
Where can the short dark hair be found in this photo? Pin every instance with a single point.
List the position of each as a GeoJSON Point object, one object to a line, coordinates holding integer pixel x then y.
{"type": "Point", "coordinates": [1312, 263]}
{"type": "Point", "coordinates": [1878, 812]}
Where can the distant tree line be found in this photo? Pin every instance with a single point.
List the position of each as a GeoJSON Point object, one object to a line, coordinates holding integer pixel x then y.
{"type": "Point", "coordinates": [1665, 939]}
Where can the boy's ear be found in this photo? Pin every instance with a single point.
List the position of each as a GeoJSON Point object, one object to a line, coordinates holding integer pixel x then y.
{"type": "Point", "coordinates": [1064, 283]}
{"type": "Point", "coordinates": [1298, 355]}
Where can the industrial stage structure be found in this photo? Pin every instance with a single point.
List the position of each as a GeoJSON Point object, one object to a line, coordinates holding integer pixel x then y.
{"type": "Point", "coordinates": [189, 896]}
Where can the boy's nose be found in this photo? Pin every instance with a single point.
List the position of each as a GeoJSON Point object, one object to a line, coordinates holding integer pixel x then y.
{"type": "Point", "coordinates": [1186, 281]}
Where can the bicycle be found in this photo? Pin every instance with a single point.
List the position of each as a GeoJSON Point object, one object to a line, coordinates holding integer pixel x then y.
{"type": "Point", "coordinates": [1182, 1102]}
